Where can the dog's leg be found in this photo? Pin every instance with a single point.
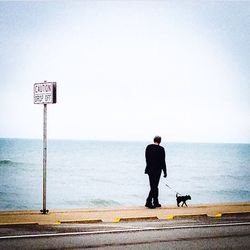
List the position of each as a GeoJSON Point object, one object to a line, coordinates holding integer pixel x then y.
{"type": "Point", "coordinates": [182, 203]}
{"type": "Point", "coordinates": [178, 204]}
{"type": "Point", "coordinates": [185, 203]}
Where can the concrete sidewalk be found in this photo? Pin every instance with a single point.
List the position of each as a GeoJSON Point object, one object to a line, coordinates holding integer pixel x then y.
{"type": "Point", "coordinates": [122, 214]}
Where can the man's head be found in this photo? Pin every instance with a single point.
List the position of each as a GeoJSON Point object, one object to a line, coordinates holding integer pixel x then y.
{"type": "Point", "coordinates": [157, 139]}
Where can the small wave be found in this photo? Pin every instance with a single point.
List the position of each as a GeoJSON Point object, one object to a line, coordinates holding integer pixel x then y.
{"type": "Point", "coordinates": [6, 162]}
{"type": "Point", "coordinates": [10, 163]}
{"type": "Point", "coordinates": [103, 203]}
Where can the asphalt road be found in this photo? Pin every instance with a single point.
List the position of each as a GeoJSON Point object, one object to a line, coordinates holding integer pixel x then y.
{"type": "Point", "coordinates": [226, 233]}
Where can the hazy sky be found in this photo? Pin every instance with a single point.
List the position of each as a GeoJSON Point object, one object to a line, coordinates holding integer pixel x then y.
{"type": "Point", "coordinates": [127, 70]}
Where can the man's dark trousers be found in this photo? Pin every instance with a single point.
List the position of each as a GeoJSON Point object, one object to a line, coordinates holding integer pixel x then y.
{"type": "Point", "coordinates": [154, 191]}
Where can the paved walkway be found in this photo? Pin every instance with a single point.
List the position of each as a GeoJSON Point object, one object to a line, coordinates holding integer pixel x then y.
{"type": "Point", "coordinates": [122, 214]}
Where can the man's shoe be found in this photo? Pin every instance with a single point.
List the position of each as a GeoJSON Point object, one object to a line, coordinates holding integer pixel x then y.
{"type": "Point", "coordinates": [156, 202]}
{"type": "Point", "coordinates": [149, 205]}
{"type": "Point", "coordinates": [157, 205]}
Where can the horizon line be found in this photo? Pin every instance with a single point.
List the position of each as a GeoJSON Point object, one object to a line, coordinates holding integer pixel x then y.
{"type": "Point", "coordinates": [120, 140]}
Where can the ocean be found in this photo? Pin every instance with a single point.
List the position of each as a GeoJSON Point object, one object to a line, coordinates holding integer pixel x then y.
{"type": "Point", "coordinates": [95, 174]}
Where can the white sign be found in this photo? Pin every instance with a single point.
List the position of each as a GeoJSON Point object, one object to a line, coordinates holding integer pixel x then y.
{"type": "Point", "coordinates": [45, 93]}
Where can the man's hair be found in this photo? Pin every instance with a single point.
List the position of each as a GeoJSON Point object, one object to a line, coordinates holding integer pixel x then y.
{"type": "Point", "coordinates": [157, 139]}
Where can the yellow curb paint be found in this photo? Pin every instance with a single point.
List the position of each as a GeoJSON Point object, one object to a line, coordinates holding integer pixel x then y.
{"type": "Point", "coordinates": [116, 220]}
{"type": "Point", "coordinates": [218, 215]}
{"type": "Point", "coordinates": [170, 217]}
{"type": "Point", "coordinates": [57, 222]}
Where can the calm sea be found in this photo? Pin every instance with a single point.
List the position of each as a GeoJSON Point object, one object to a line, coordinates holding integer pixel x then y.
{"type": "Point", "coordinates": [85, 174]}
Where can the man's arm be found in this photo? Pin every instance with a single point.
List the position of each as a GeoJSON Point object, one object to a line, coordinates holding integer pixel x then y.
{"type": "Point", "coordinates": [146, 156]}
{"type": "Point", "coordinates": [164, 167]}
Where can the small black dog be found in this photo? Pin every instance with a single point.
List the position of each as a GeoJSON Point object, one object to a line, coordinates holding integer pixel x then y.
{"type": "Point", "coordinates": [182, 199]}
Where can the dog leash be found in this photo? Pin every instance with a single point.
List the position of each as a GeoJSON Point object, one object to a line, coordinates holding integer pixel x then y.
{"type": "Point", "coordinates": [173, 189]}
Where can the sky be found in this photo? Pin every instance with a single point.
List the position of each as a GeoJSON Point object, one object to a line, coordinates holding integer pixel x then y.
{"type": "Point", "coordinates": [127, 70]}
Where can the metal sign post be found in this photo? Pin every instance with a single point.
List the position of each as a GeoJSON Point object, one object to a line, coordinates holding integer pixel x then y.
{"type": "Point", "coordinates": [44, 210]}
{"type": "Point", "coordinates": [44, 93]}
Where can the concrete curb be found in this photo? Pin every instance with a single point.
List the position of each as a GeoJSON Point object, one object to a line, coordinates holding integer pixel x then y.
{"type": "Point", "coordinates": [186, 216]}
{"type": "Point", "coordinates": [123, 214]}
{"type": "Point", "coordinates": [235, 214]}
{"type": "Point", "coordinates": [131, 219]}
{"type": "Point", "coordinates": [19, 224]}
{"type": "Point", "coordinates": [79, 221]}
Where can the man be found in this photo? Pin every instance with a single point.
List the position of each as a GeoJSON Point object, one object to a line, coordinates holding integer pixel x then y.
{"type": "Point", "coordinates": [155, 160]}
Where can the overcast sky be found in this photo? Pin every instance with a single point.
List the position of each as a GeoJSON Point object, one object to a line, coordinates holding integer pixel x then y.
{"type": "Point", "coordinates": [127, 70]}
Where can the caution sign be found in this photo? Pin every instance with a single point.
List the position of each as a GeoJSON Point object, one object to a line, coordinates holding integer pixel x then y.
{"type": "Point", "coordinates": [45, 93]}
